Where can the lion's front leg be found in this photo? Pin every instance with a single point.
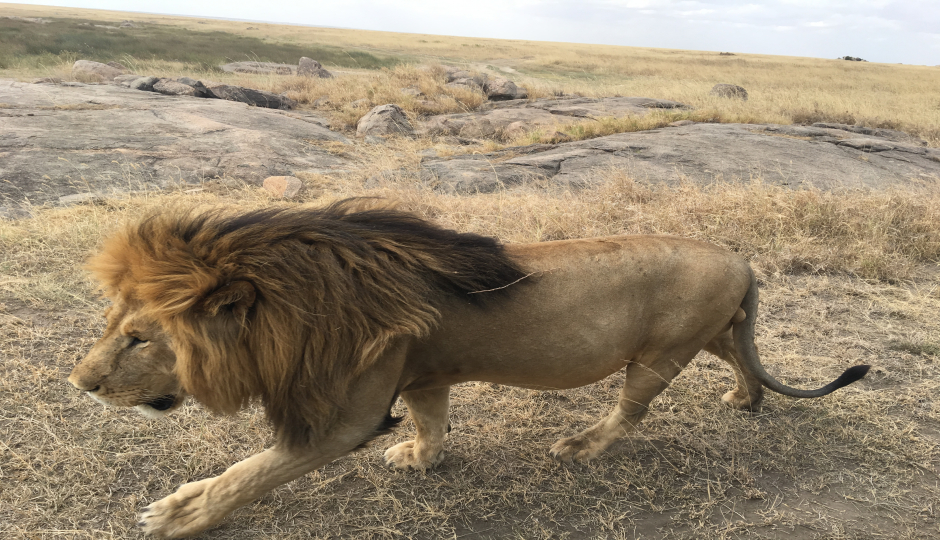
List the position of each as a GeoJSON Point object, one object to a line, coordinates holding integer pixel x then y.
{"type": "Point", "coordinates": [428, 409]}
{"type": "Point", "coordinates": [196, 506]}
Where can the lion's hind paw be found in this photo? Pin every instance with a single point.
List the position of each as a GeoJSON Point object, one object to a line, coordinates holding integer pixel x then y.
{"type": "Point", "coordinates": [404, 456]}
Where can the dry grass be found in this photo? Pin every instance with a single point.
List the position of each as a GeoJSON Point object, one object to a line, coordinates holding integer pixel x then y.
{"type": "Point", "coordinates": [862, 463]}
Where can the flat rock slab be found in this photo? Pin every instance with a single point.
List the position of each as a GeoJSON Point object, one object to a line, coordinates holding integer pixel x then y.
{"type": "Point", "coordinates": [504, 116]}
{"type": "Point", "coordinates": [792, 156]}
{"type": "Point", "coordinates": [58, 140]}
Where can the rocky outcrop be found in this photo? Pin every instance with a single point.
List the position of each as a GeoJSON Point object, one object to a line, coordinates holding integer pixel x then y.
{"type": "Point", "coordinates": [791, 156]}
{"type": "Point", "coordinates": [503, 118]}
{"type": "Point", "coordinates": [89, 71]}
{"type": "Point", "coordinates": [729, 91]}
{"type": "Point", "coordinates": [58, 140]}
{"type": "Point", "coordinates": [257, 98]}
{"type": "Point", "coordinates": [262, 68]}
{"type": "Point", "coordinates": [500, 89]}
{"type": "Point", "coordinates": [308, 67]}
{"type": "Point", "coordinates": [384, 120]}
{"type": "Point", "coordinates": [184, 86]}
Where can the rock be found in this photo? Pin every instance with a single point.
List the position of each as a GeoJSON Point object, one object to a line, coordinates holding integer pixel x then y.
{"type": "Point", "coordinates": [308, 67]}
{"type": "Point", "coordinates": [680, 123]}
{"type": "Point", "coordinates": [129, 24]}
{"type": "Point", "coordinates": [46, 80]}
{"type": "Point", "coordinates": [728, 91]}
{"type": "Point", "coordinates": [143, 83]}
{"type": "Point", "coordinates": [412, 91]}
{"type": "Point", "coordinates": [505, 117]}
{"type": "Point", "coordinates": [258, 98]}
{"type": "Point", "coordinates": [263, 68]}
{"type": "Point", "coordinates": [80, 198]}
{"type": "Point", "coordinates": [125, 80]}
{"type": "Point", "coordinates": [284, 187]}
{"type": "Point", "coordinates": [51, 142]}
{"type": "Point", "coordinates": [500, 89]}
{"type": "Point", "coordinates": [384, 120]}
{"type": "Point", "coordinates": [117, 65]}
{"type": "Point", "coordinates": [177, 87]}
{"type": "Point", "coordinates": [469, 176]}
{"type": "Point", "coordinates": [361, 103]}
{"type": "Point", "coordinates": [890, 134]}
{"type": "Point", "coordinates": [852, 59]}
{"type": "Point", "coordinates": [88, 71]}
{"type": "Point", "coordinates": [791, 156]}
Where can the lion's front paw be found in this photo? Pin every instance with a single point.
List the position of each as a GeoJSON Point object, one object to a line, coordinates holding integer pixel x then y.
{"type": "Point", "coordinates": [577, 448]}
{"type": "Point", "coordinates": [404, 456]}
{"type": "Point", "coordinates": [187, 512]}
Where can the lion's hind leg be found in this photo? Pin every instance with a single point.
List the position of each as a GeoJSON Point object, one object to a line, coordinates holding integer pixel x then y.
{"type": "Point", "coordinates": [428, 409]}
{"type": "Point", "coordinates": [646, 378]}
{"type": "Point", "coordinates": [748, 391]}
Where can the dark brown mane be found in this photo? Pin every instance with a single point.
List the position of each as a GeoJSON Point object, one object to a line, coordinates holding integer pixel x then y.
{"type": "Point", "coordinates": [289, 304]}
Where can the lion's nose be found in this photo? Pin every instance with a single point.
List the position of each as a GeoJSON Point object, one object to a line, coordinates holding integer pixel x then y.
{"type": "Point", "coordinates": [83, 385]}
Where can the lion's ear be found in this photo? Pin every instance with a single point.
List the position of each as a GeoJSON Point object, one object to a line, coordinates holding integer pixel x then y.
{"type": "Point", "coordinates": [237, 296]}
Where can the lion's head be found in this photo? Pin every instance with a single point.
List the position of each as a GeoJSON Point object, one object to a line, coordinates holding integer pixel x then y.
{"type": "Point", "coordinates": [132, 365]}
{"type": "Point", "coordinates": [284, 305]}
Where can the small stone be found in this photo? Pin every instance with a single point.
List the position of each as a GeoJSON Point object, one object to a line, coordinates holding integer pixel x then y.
{"type": "Point", "coordinates": [285, 187]}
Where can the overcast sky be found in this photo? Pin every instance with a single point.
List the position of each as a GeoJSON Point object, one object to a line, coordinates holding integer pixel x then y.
{"type": "Point", "coordinates": [878, 30]}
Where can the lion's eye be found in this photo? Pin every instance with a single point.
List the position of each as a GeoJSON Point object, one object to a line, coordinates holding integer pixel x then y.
{"type": "Point", "coordinates": [135, 341]}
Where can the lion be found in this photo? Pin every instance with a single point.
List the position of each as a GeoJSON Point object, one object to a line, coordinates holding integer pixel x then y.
{"type": "Point", "coordinates": [328, 315]}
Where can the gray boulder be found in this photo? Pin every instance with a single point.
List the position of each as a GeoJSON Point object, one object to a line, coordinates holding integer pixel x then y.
{"type": "Point", "coordinates": [143, 83]}
{"type": "Point", "coordinates": [258, 98]}
{"type": "Point", "coordinates": [384, 120]}
{"type": "Point", "coordinates": [729, 91]}
{"type": "Point", "coordinates": [89, 71]}
{"type": "Point", "coordinates": [126, 79]}
{"type": "Point", "coordinates": [184, 86]}
{"type": "Point", "coordinates": [308, 67]}
{"type": "Point", "coordinates": [500, 89]}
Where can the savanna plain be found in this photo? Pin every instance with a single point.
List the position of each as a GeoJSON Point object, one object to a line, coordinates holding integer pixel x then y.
{"type": "Point", "coordinates": [847, 277]}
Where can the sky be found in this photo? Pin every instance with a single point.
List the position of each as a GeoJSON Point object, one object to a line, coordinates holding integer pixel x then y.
{"type": "Point", "coordinates": [877, 30]}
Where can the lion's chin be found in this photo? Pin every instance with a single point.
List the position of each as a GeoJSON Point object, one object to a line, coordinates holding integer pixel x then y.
{"type": "Point", "coordinates": [160, 406]}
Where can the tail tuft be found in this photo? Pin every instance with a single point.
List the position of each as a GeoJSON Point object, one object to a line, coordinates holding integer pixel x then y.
{"type": "Point", "coordinates": [848, 377]}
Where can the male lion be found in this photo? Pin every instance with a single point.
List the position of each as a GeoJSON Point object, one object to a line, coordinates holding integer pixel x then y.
{"type": "Point", "coordinates": [329, 315]}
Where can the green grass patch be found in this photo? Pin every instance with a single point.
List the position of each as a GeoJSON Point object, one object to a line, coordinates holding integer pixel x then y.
{"type": "Point", "coordinates": [27, 44]}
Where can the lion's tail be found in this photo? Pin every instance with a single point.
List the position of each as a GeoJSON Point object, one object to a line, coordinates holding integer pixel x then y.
{"type": "Point", "coordinates": [744, 342]}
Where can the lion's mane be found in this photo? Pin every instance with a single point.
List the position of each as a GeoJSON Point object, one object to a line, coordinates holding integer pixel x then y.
{"type": "Point", "coordinates": [289, 305]}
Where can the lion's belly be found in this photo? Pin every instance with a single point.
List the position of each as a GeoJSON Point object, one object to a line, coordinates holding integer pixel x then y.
{"type": "Point", "coordinates": [590, 311]}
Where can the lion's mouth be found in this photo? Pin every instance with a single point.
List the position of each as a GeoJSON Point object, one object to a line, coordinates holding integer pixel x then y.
{"type": "Point", "coordinates": [162, 403]}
